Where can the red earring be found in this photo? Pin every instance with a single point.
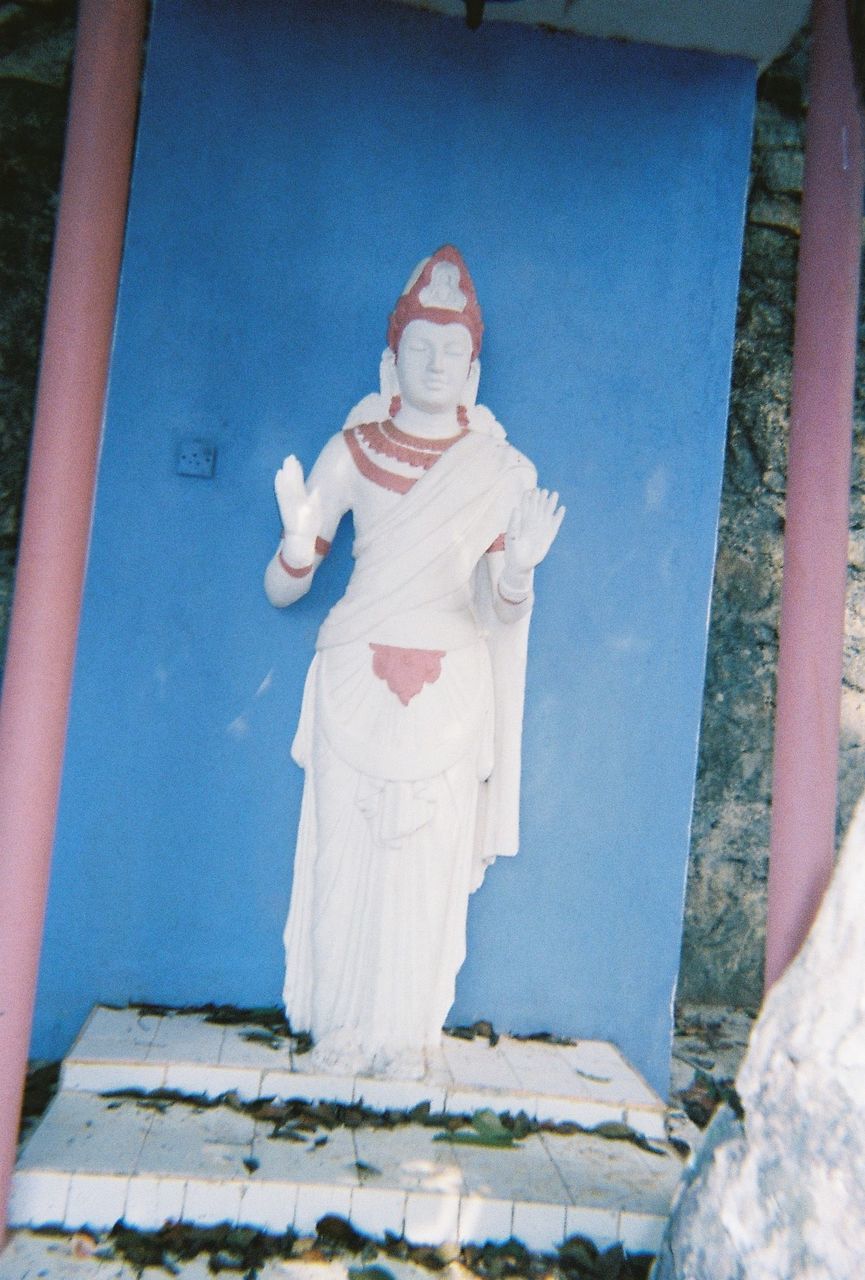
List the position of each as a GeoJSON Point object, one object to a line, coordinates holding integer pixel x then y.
{"type": "Point", "coordinates": [395, 406]}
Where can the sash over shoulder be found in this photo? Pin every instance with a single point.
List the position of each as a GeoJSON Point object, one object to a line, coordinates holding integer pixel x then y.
{"type": "Point", "coordinates": [429, 543]}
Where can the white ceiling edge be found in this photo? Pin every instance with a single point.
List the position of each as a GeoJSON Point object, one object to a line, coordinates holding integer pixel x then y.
{"type": "Point", "coordinates": [755, 29]}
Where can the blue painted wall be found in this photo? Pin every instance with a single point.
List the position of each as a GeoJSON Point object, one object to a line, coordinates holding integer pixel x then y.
{"type": "Point", "coordinates": [294, 162]}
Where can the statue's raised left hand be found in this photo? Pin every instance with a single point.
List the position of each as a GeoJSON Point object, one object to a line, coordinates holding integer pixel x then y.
{"type": "Point", "coordinates": [300, 511]}
{"type": "Point", "coordinates": [531, 529]}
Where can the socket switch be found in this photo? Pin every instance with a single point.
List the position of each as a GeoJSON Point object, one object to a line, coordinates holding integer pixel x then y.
{"type": "Point", "coordinates": [196, 457]}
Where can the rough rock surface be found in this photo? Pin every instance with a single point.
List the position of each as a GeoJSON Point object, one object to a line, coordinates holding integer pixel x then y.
{"type": "Point", "coordinates": [35, 53]}
{"type": "Point", "coordinates": [723, 944]}
{"type": "Point", "coordinates": [782, 1192]}
{"type": "Point", "coordinates": [725, 905]}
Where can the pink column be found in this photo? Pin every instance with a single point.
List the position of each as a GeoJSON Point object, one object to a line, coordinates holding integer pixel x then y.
{"type": "Point", "coordinates": [818, 485]}
{"type": "Point", "coordinates": [57, 512]}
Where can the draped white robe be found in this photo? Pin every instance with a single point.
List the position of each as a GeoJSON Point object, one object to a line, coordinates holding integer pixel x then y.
{"type": "Point", "coordinates": [404, 805]}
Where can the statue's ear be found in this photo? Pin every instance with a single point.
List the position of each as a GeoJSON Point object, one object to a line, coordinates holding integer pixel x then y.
{"type": "Point", "coordinates": [470, 394]}
{"type": "Point", "coordinates": [387, 374]}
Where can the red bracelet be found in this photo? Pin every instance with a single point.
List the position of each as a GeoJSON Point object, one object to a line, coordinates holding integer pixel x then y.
{"type": "Point", "coordinates": [290, 569]}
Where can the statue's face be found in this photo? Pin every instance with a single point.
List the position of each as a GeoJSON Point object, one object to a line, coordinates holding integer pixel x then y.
{"type": "Point", "coordinates": [432, 364]}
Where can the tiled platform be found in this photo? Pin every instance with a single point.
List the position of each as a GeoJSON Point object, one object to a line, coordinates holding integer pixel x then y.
{"type": "Point", "coordinates": [588, 1082]}
{"type": "Point", "coordinates": [95, 1159]}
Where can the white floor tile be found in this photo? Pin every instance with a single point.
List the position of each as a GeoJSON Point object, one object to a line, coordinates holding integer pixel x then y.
{"type": "Point", "coordinates": [475, 1063]}
{"type": "Point", "coordinates": [602, 1071]}
{"type": "Point", "coordinates": [410, 1159]}
{"type": "Point", "coordinates": [322, 1088]}
{"type": "Point", "coordinates": [649, 1123]}
{"type": "Point", "coordinates": [598, 1069]}
{"type": "Point", "coordinates": [83, 1132]}
{"type": "Point", "coordinates": [212, 1081]}
{"type": "Point", "coordinates": [399, 1095]}
{"type": "Point", "coordinates": [431, 1218]}
{"type": "Point", "coordinates": [278, 1083]}
{"type": "Point", "coordinates": [280, 1160]}
{"type": "Point", "coordinates": [315, 1201]}
{"type": "Point", "coordinates": [483, 1219]}
{"type": "Point", "coordinates": [375, 1210]}
{"type": "Point", "coordinates": [270, 1206]}
{"type": "Point", "coordinates": [152, 1201]}
{"type": "Point", "coordinates": [118, 1034]}
{"type": "Point", "coordinates": [239, 1051]}
{"type": "Point", "coordinates": [38, 1197]}
{"type": "Point", "coordinates": [602, 1173]}
{"type": "Point", "coordinates": [185, 1142]}
{"type": "Point", "coordinates": [108, 1077]}
{"type": "Point", "coordinates": [638, 1089]}
{"type": "Point", "coordinates": [601, 1226]}
{"type": "Point", "coordinates": [96, 1200]}
{"type": "Point", "coordinates": [209, 1203]}
{"type": "Point", "coordinates": [591, 1166]}
{"type": "Point", "coordinates": [540, 1227]}
{"type": "Point", "coordinates": [640, 1232]}
{"type": "Point", "coordinates": [522, 1172]}
{"type": "Point", "coordinates": [439, 1074]}
{"type": "Point", "coordinates": [539, 1067]}
{"type": "Point", "coordinates": [186, 1037]}
{"type": "Point", "coordinates": [586, 1114]}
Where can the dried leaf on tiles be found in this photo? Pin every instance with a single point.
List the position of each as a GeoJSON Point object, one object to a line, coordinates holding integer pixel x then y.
{"type": "Point", "coordinates": [489, 1125]}
{"type": "Point", "coordinates": [579, 1251]}
{"type": "Point", "coordinates": [468, 1138]}
{"type": "Point", "coordinates": [617, 1131]}
{"type": "Point", "coordinates": [587, 1075]}
{"type": "Point", "coordinates": [327, 1113]}
{"type": "Point", "coordinates": [301, 1042]}
{"type": "Point", "coordinates": [613, 1129]}
{"type": "Point", "coordinates": [263, 1037]}
{"type": "Point", "coordinates": [461, 1033]}
{"type": "Point", "coordinates": [487, 1130]}
{"type": "Point", "coordinates": [336, 1232]}
{"type": "Point", "coordinates": [522, 1125]}
{"type": "Point", "coordinates": [288, 1133]}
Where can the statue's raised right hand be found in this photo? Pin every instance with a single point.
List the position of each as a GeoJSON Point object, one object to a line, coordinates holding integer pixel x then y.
{"type": "Point", "coordinates": [300, 512]}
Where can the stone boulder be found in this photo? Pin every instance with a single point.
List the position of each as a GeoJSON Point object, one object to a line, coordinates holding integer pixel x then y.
{"type": "Point", "coordinates": [778, 1193]}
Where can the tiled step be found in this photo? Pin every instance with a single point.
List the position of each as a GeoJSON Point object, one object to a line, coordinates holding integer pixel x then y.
{"type": "Point", "coordinates": [588, 1082]}
{"type": "Point", "coordinates": [95, 1160]}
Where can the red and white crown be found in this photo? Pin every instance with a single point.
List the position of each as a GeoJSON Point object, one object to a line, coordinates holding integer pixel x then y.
{"type": "Point", "coordinates": [440, 289]}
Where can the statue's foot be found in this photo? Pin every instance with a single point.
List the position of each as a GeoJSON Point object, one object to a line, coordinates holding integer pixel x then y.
{"type": "Point", "coordinates": [436, 1064]}
{"type": "Point", "coordinates": [335, 1056]}
{"type": "Point", "coordinates": [399, 1064]}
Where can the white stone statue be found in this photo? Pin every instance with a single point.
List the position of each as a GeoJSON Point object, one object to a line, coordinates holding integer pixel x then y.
{"type": "Point", "coordinates": [410, 727]}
